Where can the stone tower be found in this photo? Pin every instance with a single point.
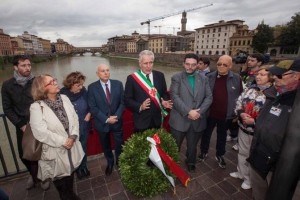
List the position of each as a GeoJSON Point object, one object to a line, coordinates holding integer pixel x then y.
{"type": "Point", "coordinates": [183, 22]}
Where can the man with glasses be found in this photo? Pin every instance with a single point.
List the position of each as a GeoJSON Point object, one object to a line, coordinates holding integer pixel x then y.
{"type": "Point", "coordinates": [16, 100]}
{"type": "Point", "coordinates": [270, 126]}
{"type": "Point", "coordinates": [191, 97]}
{"type": "Point", "coordinates": [226, 87]}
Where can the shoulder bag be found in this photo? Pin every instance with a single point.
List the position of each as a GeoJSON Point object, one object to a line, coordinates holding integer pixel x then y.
{"type": "Point", "coordinates": [32, 148]}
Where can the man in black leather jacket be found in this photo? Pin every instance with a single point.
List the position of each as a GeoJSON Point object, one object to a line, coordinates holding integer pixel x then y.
{"type": "Point", "coordinates": [286, 175]}
{"type": "Point", "coordinates": [271, 125]}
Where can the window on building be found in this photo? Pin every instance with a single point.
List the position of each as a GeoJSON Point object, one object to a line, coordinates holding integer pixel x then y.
{"type": "Point", "coordinates": [207, 46]}
{"type": "Point", "coordinates": [219, 29]}
{"type": "Point", "coordinates": [223, 52]}
{"type": "Point", "coordinates": [217, 46]}
{"type": "Point", "coordinates": [217, 52]}
{"type": "Point", "coordinates": [207, 35]}
{"type": "Point", "coordinates": [218, 40]}
{"type": "Point", "coordinates": [214, 30]}
{"type": "Point", "coordinates": [244, 42]}
{"type": "Point", "coordinates": [202, 36]}
{"type": "Point", "coordinates": [213, 41]}
{"type": "Point", "coordinates": [212, 46]}
{"type": "Point", "coordinates": [239, 42]}
{"type": "Point", "coordinates": [203, 52]}
{"type": "Point", "coordinates": [224, 40]}
{"type": "Point", "coordinates": [223, 46]}
{"type": "Point", "coordinates": [201, 46]}
{"type": "Point", "coordinates": [208, 30]}
{"type": "Point", "coordinates": [213, 35]}
{"type": "Point", "coordinates": [225, 34]}
{"type": "Point", "coordinates": [209, 53]}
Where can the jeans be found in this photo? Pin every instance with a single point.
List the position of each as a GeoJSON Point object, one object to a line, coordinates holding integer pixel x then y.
{"type": "Point", "coordinates": [222, 127]}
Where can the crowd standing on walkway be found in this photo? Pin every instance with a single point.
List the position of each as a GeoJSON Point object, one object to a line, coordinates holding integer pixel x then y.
{"type": "Point", "coordinates": [200, 100]}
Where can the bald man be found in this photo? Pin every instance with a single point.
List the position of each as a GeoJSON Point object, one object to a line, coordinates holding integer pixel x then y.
{"type": "Point", "coordinates": [106, 102]}
{"type": "Point", "coordinates": [226, 87]}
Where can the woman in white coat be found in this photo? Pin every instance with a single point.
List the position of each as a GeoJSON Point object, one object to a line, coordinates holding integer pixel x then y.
{"type": "Point", "coordinates": [54, 122]}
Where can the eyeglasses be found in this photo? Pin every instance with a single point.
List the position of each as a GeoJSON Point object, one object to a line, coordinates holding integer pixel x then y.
{"type": "Point", "coordinates": [261, 74]}
{"type": "Point", "coordinates": [220, 64]}
{"type": "Point", "coordinates": [281, 75]}
{"type": "Point", "coordinates": [52, 82]}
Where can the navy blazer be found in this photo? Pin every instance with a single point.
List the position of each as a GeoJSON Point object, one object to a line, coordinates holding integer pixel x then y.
{"type": "Point", "coordinates": [99, 106]}
{"type": "Point", "coordinates": [135, 96]}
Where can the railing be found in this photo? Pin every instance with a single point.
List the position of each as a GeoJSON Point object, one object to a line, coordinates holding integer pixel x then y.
{"type": "Point", "coordinates": [8, 172]}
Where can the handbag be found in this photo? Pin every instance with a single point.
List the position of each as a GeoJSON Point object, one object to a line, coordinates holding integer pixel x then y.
{"type": "Point", "coordinates": [32, 148]}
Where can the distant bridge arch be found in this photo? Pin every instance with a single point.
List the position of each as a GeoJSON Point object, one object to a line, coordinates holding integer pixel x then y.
{"type": "Point", "coordinates": [82, 50]}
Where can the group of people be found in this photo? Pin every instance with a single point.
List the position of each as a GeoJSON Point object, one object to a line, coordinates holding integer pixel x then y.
{"type": "Point", "coordinates": [261, 98]}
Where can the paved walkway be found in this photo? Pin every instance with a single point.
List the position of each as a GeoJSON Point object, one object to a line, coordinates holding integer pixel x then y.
{"type": "Point", "coordinates": [209, 182]}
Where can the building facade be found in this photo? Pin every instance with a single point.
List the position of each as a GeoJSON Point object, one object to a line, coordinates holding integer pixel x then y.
{"type": "Point", "coordinates": [5, 44]}
{"type": "Point", "coordinates": [213, 39]}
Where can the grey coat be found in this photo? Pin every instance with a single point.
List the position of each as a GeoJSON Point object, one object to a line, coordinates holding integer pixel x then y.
{"type": "Point", "coordinates": [184, 100]}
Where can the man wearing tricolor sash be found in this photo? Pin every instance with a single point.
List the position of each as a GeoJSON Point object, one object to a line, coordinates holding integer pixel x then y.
{"type": "Point", "coordinates": [146, 94]}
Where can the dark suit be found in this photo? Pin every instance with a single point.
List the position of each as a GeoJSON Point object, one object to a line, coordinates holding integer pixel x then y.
{"type": "Point", "coordinates": [100, 110]}
{"type": "Point", "coordinates": [135, 96]}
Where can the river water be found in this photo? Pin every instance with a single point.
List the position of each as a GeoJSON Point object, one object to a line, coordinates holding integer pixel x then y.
{"type": "Point", "coordinates": [60, 68]}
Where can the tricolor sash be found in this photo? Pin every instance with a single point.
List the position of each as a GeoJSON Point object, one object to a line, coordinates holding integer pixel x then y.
{"type": "Point", "coordinates": [149, 89]}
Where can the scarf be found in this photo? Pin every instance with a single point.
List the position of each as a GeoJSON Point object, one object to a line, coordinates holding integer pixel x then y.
{"type": "Point", "coordinates": [73, 96]}
{"type": "Point", "coordinates": [21, 80]}
{"type": "Point", "coordinates": [59, 110]}
{"type": "Point", "coordinates": [287, 88]}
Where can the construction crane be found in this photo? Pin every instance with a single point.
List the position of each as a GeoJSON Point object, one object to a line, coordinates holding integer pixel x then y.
{"type": "Point", "coordinates": [172, 14]}
{"type": "Point", "coordinates": [160, 26]}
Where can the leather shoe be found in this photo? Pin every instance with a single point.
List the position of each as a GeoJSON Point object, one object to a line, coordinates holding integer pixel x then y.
{"type": "Point", "coordinates": [191, 168]}
{"type": "Point", "coordinates": [86, 172]}
{"type": "Point", "coordinates": [109, 170]}
{"type": "Point", "coordinates": [79, 174]}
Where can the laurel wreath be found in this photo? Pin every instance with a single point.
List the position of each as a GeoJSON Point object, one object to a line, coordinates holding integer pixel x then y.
{"type": "Point", "coordinates": [137, 176]}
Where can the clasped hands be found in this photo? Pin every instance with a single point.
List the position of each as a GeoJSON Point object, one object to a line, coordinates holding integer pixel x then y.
{"type": "Point", "coordinates": [69, 143]}
{"type": "Point", "coordinates": [247, 119]}
{"type": "Point", "coordinates": [194, 114]}
{"type": "Point", "coordinates": [146, 104]}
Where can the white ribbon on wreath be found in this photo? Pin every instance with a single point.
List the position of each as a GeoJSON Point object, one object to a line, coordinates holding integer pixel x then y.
{"type": "Point", "coordinates": [155, 158]}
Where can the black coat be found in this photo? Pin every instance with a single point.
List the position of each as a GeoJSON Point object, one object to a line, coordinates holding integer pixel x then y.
{"type": "Point", "coordinates": [135, 96]}
{"type": "Point", "coordinates": [287, 173]}
{"type": "Point", "coordinates": [16, 101]}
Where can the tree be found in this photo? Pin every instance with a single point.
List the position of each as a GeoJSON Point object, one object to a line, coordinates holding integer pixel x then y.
{"type": "Point", "coordinates": [262, 38]}
{"type": "Point", "coordinates": [290, 36]}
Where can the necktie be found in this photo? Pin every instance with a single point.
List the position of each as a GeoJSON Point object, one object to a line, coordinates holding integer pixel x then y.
{"type": "Point", "coordinates": [147, 75]}
{"type": "Point", "coordinates": [107, 97]}
{"type": "Point", "coordinates": [107, 93]}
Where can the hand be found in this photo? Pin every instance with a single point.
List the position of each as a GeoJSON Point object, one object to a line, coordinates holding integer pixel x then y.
{"type": "Point", "coordinates": [23, 128]}
{"type": "Point", "coordinates": [145, 105]}
{"type": "Point", "coordinates": [247, 119]}
{"type": "Point", "coordinates": [194, 114]}
{"type": "Point", "coordinates": [112, 120]}
{"type": "Point", "coordinates": [69, 143]}
{"type": "Point", "coordinates": [87, 117]}
{"type": "Point", "coordinates": [167, 104]}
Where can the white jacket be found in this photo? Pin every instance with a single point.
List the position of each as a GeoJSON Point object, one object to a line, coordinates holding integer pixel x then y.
{"type": "Point", "coordinates": [48, 129]}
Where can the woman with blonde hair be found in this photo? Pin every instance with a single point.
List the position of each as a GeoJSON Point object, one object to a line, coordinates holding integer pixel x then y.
{"type": "Point", "coordinates": [247, 109]}
{"type": "Point", "coordinates": [54, 122]}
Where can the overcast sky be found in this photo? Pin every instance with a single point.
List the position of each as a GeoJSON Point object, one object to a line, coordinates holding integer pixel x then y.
{"type": "Point", "coordinates": [89, 23]}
